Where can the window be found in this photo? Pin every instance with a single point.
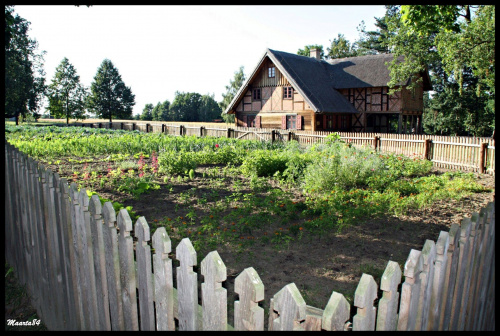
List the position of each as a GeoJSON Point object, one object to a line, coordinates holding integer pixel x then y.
{"type": "Point", "coordinates": [291, 122]}
{"type": "Point", "coordinates": [256, 94]}
{"type": "Point", "coordinates": [287, 92]}
{"type": "Point", "coordinates": [271, 72]}
{"type": "Point", "coordinates": [251, 120]}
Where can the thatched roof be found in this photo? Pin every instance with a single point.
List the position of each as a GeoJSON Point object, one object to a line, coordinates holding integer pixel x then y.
{"type": "Point", "coordinates": [318, 80]}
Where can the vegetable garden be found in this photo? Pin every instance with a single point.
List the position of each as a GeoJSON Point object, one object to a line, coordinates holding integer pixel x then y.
{"type": "Point", "coordinates": [248, 198]}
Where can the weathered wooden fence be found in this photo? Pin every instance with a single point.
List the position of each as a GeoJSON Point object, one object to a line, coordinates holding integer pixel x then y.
{"type": "Point", "coordinates": [89, 268]}
{"type": "Point", "coordinates": [463, 153]}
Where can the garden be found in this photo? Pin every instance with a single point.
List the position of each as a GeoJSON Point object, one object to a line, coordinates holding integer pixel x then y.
{"type": "Point", "coordinates": [319, 216]}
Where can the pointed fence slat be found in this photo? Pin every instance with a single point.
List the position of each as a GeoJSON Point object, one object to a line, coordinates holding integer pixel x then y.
{"type": "Point", "coordinates": [287, 309]}
{"type": "Point", "coordinates": [364, 298]}
{"type": "Point", "coordinates": [187, 286]}
{"type": "Point", "coordinates": [387, 318]}
{"type": "Point", "coordinates": [96, 224]}
{"type": "Point", "coordinates": [163, 282]}
{"type": "Point", "coordinates": [112, 260]}
{"type": "Point", "coordinates": [127, 271]}
{"type": "Point", "coordinates": [410, 292]}
{"type": "Point", "coordinates": [214, 296]}
{"type": "Point", "coordinates": [440, 265]}
{"type": "Point", "coordinates": [247, 313]}
{"type": "Point", "coordinates": [428, 256]}
{"type": "Point", "coordinates": [336, 313]}
{"type": "Point", "coordinates": [144, 275]}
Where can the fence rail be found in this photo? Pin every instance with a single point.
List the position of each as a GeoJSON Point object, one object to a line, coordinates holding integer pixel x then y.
{"type": "Point", "coordinates": [89, 268]}
{"type": "Point", "coordinates": [474, 154]}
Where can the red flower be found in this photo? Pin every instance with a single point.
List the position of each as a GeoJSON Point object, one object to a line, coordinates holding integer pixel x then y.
{"type": "Point", "coordinates": [216, 145]}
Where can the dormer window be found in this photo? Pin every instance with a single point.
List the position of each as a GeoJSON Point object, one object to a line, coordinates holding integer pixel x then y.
{"type": "Point", "coordinates": [287, 92]}
{"type": "Point", "coordinates": [271, 72]}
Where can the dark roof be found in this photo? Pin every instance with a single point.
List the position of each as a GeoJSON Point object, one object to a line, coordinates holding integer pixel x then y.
{"type": "Point", "coordinates": [312, 81]}
{"type": "Point", "coordinates": [318, 80]}
{"type": "Point", "coordinates": [360, 71]}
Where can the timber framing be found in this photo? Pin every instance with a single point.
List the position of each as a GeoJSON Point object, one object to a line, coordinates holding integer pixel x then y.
{"type": "Point", "coordinates": [288, 91]}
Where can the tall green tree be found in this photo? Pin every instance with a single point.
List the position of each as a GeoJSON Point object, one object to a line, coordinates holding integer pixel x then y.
{"type": "Point", "coordinates": [109, 97]}
{"type": "Point", "coordinates": [374, 41]}
{"type": "Point", "coordinates": [231, 90]}
{"type": "Point", "coordinates": [24, 74]}
{"type": "Point", "coordinates": [66, 94]}
{"type": "Point", "coordinates": [341, 47]}
{"type": "Point", "coordinates": [185, 106]}
{"type": "Point", "coordinates": [147, 112]}
{"type": "Point", "coordinates": [307, 50]}
{"type": "Point", "coordinates": [461, 39]}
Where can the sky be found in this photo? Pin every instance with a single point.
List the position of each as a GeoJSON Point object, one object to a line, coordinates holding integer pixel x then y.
{"type": "Point", "coordinates": [159, 50]}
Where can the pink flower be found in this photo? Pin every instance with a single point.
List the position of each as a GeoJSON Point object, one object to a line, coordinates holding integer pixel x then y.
{"type": "Point", "coordinates": [216, 145]}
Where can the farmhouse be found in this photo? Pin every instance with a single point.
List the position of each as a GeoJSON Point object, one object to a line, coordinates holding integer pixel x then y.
{"type": "Point", "coordinates": [288, 91]}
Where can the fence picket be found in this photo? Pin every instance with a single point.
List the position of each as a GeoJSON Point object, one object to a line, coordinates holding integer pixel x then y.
{"type": "Point", "coordinates": [144, 275]}
{"type": "Point", "coordinates": [287, 309]}
{"type": "Point", "coordinates": [112, 260]}
{"type": "Point", "coordinates": [127, 271]}
{"type": "Point", "coordinates": [214, 296]}
{"type": "Point", "coordinates": [96, 224]}
{"type": "Point", "coordinates": [428, 256]}
{"type": "Point", "coordinates": [365, 294]}
{"type": "Point", "coordinates": [247, 313]}
{"type": "Point", "coordinates": [163, 282]}
{"type": "Point", "coordinates": [387, 318]}
{"type": "Point", "coordinates": [336, 313]}
{"type": "Point", "coordinates": [410, 291]}
{"type": "Point", "coordinates": [187, 286]}
{"type": "Point", "coordinates": [440, 265]}
{"type": "Point", "coordinates": [451, 274]}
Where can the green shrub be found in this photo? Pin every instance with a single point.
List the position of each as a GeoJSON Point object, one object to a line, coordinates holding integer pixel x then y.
{"type": "Point", "coordinates": [171, 162]}
{"type": "Point", "coordinates": [264, 163]}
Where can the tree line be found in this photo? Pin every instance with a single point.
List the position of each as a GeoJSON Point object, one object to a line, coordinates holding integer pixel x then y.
{"type": "Point", "coordinates": [455, 43]}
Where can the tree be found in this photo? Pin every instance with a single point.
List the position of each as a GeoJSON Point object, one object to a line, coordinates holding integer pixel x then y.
{"type": "Point", "coordinates": [66, 95]}
{"type": "Point", "coordinates": [459, 46]}
{"type": "Point", "coordinates": [340, 48]}
{"type": "Point", "coordinates": [209, 109]}
{"type": "Point", "coordinates": [109, 97]}
{"type": "Point", "coordinates": [375, 41]}
{"type": "Point", "coordinates": [185, 106]}
{"type": "Point", "coordinates": [147, 112]}
{"type": "Point", "coordinates": [24, 75]}
{"type": "Point", "coordinates": [161, 111]}
{"type": "Point", "coordinates": [231, 90]}
{"type": "Point", "coordinates": [307, 50]}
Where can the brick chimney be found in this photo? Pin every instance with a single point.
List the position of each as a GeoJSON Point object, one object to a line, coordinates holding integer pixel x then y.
{"type": "Point", "coordinates": [315, 53]}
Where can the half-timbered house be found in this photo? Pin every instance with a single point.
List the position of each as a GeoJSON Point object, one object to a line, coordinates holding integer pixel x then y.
{"type": "Point", "coordinates": [288, 91]}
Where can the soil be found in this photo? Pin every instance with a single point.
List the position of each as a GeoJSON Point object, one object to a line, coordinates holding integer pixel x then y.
{"type": "Point", "coordinates": [317, 265]}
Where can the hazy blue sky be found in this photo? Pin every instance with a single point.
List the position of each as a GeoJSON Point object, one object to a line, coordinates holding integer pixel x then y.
{"type": "Point", "coordinates": [162, 49]}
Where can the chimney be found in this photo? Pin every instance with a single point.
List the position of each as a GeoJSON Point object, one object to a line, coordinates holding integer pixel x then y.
{"type": "Point", "coordinates": [315, 53]}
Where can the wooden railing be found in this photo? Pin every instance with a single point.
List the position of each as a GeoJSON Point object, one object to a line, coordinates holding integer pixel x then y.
{"type": "Point", "coordinates": [89, 268]}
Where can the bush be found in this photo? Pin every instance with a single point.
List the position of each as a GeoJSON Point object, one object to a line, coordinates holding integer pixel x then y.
{"type": "Point", "coordinates": [172, 162]}
{"type": "Point", "coordinates": [264, 163]}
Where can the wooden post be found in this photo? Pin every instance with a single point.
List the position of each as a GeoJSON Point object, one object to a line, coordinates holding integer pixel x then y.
{"type": "Point", "coordinates": [375, 142]}
{"type": "Point", "coordinates": [247, 313]}
{"type": "Point", "coordinates": [201, 131]}
{"type": "Point", "coordinates": [121, 125]}
{"type": "Point", "coordinates": [482, 157]}
{"type": "Point", "coordinates": [427, 149]}
{"type": "Point", "coordinates": [163, 128]}
{"type": "Point", "coordinates": [133, 126]}
{"type": "Point", "coordinates": [228, 134]}
{"type": "Point", "coordinates": [289, 136]}
{"type": "Point", "coordinates": [273, 136]}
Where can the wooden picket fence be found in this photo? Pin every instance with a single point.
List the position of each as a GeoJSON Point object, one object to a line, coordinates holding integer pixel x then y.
{"type": "Point", "coordinates": [472, 154]}
{"type": "Point", "coordinates": [89, 268]}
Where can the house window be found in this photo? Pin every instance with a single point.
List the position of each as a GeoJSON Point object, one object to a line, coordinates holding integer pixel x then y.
{"type": "Point", "coordinates": [256, 94]}
{"type": "Point", "coordinates": [287, 92]}
{"type": "Point", "coordinates": [271, 72]}
{"type": "Point", "coordinates": [251, 120]}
